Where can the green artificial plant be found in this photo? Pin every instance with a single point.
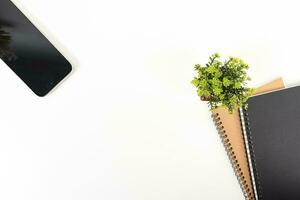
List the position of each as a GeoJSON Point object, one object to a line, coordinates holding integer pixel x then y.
{"type": "Point", "coordinates": [223, 83]}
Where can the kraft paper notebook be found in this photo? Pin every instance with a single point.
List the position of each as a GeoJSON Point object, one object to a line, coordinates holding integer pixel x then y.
{"type": "Point", "coordinates": [230, 131]}
{"type": "Point", "coordinates": [272, 135]}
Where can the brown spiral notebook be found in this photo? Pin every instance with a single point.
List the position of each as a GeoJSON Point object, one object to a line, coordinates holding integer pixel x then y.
{"type": "Point", "coordinates": [230, 131]}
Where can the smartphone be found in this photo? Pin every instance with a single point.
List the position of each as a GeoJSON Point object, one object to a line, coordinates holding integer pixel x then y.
{"type": "Point", "coordinates": [28, 52]}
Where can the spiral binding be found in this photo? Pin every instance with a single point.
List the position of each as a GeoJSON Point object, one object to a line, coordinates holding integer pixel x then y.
{"type": "Point", "coordinates": [248, 135]}
{"type": "Point", "coordinates": [231, 154]}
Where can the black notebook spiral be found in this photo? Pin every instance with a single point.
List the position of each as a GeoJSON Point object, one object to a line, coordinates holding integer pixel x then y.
{"type": "Point", "coordinates": [271, 127]}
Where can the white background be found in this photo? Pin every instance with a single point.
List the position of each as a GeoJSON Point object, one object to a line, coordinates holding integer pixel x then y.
{"type": "Point", "coordinates": [127, 123]}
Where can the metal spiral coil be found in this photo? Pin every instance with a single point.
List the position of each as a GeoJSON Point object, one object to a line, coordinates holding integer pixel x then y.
{"type": "Point", "coordinates": [232, 157]}
{"type": "Point", "coordinates": [256, 184]}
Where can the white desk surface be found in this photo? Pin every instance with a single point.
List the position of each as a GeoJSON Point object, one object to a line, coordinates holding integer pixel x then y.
{"type": "Point", "coordinates": [127, 123]}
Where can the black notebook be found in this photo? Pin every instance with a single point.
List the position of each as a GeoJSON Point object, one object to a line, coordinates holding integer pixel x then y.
{"type": "Point", "coordinates": [271, 126]}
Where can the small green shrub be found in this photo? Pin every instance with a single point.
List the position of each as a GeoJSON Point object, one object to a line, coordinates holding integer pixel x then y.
{"type": "Point", "coordinates": [223, 83]}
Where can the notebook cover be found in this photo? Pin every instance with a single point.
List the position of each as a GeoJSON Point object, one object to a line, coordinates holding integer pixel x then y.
{"type": "Point", "coordinates": [230, 131]}
{"type": "Point", "coordinates": [272, 124]}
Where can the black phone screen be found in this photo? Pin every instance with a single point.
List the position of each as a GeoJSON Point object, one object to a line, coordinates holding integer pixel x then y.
{"type": "Point", "coordinates": [28, 52]}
